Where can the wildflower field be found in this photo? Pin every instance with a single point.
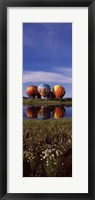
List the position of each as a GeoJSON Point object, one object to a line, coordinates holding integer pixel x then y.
{"type": "Point", "coordinates": [47, 148]}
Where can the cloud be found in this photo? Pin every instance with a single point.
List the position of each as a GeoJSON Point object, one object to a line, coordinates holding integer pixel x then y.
{"type": "Point", "coordinates": [49, 77]}
{"type": "Point", "coordinates": [67, 71]}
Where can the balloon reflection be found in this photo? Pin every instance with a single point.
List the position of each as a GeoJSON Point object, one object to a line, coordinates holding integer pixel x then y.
{"type": "Point", "coordinates": [31, 112]}
{"type": "Point", "coordinates": [59, 112]}
{"type": "Point", "coordinates": [44, 113]}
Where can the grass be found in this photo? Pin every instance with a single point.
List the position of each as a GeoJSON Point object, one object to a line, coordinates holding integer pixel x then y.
{"type": "Point", "coordinates": [47, 147]}
{"type": "Point", "coordinates": [42, 102]}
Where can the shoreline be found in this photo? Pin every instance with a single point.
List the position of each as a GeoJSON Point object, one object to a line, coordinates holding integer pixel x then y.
{"type": "Point", "coordinates": [47, 102]}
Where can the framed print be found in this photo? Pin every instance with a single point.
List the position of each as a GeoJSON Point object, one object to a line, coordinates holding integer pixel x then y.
{"type": "Point", "coordinates": [47, 99]}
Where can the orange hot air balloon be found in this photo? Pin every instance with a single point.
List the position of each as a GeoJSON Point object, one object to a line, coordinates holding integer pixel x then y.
{"type": "Point", "coordinates": [58, 91]}
{"type": "Point", "coordinates": [32, 90]}
{"type": "Point", "coordinates": [31, 112]}
{"type": "Point", "coordinates": [59, 112]}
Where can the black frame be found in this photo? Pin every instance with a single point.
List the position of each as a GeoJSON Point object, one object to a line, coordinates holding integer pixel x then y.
{"type": "Point", "coordinates": [3, 100]}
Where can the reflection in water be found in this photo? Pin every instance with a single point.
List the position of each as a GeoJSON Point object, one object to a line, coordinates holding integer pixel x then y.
{"type": "Point", "coordinates": [43, 113]}
{"type": "Point", "coordinates": [46, 112]}
{"type": "Point", "coordinates": [59, 112]}
{"type": "Point", "coordinates": [31, 112]}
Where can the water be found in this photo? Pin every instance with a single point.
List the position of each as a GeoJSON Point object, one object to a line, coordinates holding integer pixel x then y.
{"type": "Point", "coordinates": [46, 112]}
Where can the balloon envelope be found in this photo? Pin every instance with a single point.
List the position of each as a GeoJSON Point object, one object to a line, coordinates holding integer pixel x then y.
{"type": "Point", "coordinates": [44, 89]}
{"type": "Point", "coordinates": [32, 90]}
{"type": "Point", "coordinates": [59, 91]}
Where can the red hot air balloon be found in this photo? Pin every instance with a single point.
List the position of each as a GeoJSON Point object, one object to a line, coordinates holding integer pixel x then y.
{"type": "Point", "coordinates": [32, 90]}
{"type": "Point", "coordinates": [58, 91]}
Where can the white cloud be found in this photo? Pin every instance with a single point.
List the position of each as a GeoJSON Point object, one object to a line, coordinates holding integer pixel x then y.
{"type": "Point", "coordinates": [67, 71]}
{"type": "Point", "coordinates": [41, 76]}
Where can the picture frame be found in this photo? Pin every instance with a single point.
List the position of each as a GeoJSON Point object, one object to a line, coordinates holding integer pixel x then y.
{"type": "Point", "coordinates": [4, 4]}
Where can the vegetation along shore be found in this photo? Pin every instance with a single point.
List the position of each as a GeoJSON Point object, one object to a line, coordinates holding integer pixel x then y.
{"type": "Point", "coordinates": [42, 102]}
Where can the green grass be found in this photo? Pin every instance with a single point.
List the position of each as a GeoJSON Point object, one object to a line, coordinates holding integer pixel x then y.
{"type": "Point", "coordinates": [45, 145]}
{"type": "Point", "coordinates": [45, 122]}
{"type": "Point", "coordinates": [42, 102]}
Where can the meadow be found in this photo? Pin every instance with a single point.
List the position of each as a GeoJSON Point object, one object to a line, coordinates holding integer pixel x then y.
{"type": "Point", "coordinates": [47, 148]}
{"type": "Point", "coordinates": [42, 102]}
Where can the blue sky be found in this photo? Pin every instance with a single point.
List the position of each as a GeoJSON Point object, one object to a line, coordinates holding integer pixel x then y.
{"type": "Point", "coordinates": [47, 55]}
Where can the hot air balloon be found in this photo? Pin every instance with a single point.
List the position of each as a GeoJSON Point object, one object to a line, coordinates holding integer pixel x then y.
{"type": "Point", "coordinates": [32, 91]}
{"type": "Point", "coordinates": [58, 91]}
{"type": "Point", "coordinates": [59, 112]}
{"type": "Point", "coordinates": [44, 90]}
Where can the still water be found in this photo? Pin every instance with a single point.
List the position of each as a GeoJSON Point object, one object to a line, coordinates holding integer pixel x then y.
{"type": "Point", "coordinates": [46, 112]}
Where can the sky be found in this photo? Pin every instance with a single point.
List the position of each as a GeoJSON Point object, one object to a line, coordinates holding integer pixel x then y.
{"type": "Point", "coordinates": [47, 55]}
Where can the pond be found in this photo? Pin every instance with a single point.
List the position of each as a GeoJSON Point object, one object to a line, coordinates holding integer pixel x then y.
{"type": "Point", "coordinates": [46, 112]}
